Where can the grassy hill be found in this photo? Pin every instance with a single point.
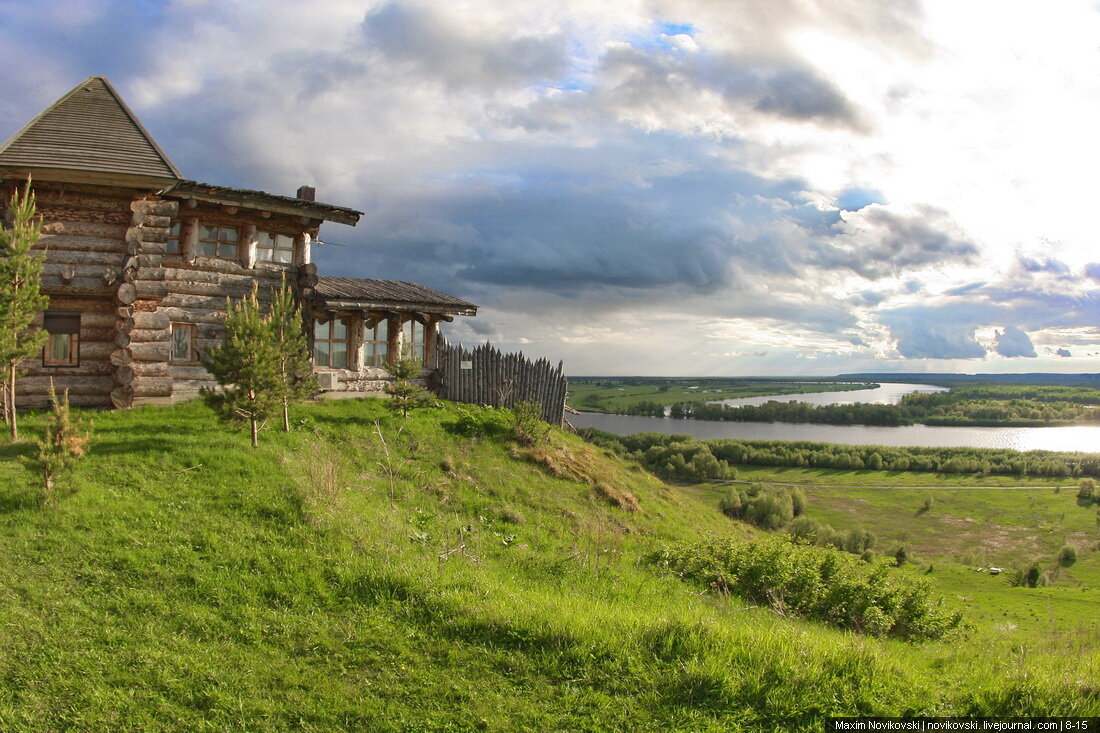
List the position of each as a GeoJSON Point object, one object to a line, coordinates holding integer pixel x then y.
{"type": "Point", "coordinates": [373, 573]}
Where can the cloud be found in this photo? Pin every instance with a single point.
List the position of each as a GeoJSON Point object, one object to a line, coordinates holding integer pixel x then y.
{"type": "Point", "coordinates": [1013, 342]}
{"type": "Point", "coordinates": [928, 341]}
{"type": "Point", "coordinates": [879, 241]}
{"type": "Point", "coordinates": [1063, 352]}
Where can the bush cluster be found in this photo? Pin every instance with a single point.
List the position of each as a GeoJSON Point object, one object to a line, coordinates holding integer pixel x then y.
{"type": "Point", "coordinates": [815, 582]}
{"type": "Point", "coordinates": [809, 531]}
{"type": "Point", "coordinates": [768, 507]}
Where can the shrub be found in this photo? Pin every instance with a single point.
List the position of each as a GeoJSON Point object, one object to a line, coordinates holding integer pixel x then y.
{"type": "Point", "coordinates": [901, 555]}
{"type": "Point", "coordinates": [528, 427]}
{"type": "Point", "coordinates": [815, 582]}
{"type": "Point", "coordinates": [479, 422]}
{"type": "Point", "coordinates": [731, 505]}
{"type": "Point", "coordinates": [1067, 555]}
{"type": "Point", "coordinates": [1086, 489]}
{"type": "Point", "coordinates": [1032, 576]}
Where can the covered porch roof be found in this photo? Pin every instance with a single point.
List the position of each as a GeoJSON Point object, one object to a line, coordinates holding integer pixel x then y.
{"type": "Point", "coordinates": [362, 294]}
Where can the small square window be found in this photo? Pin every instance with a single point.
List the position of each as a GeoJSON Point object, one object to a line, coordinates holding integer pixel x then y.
{"type": "Point", "coordinates": [217, 241]}
{"type": "Point", "coordinates": [272, 247]}
{"type": "Point", "coordinates": [183, 343]}
{"type": "Point", "coordinates": [63, 343]}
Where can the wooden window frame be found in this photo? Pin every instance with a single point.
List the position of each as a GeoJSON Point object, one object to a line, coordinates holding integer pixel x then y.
{"type": "Point", "coordinates": [67, 330]}
{"type": "Point", "coordinates": [218, 242]}
{"type": "Point", "coordinates": [192, 356]}
{"type": "Point", "coordinates": [274, 249]}
{"type": "Point", "coordinates": [346, 341]}
{"type": "Point", "coordinates": [370, 338]}
{"type": "Point", "coordinates": [409, 345]}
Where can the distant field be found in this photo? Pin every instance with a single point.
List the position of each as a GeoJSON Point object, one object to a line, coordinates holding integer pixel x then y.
{"type": "Point", "coordinates": [607, 394]}
{"type": "Point", "coordinates": [973, 522]}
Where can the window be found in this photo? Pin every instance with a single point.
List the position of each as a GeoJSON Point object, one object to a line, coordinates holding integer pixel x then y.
{"type": "Point", "coordinates": [218, 241]}
{"type": "Point", "coordinates": [412, 340]}
{"type": "Point", "coordinates": [330, 342]}
{"type": "Point", "coordinates": [376, 341]}
{"type": "Point", "coordinates": [63, 343]}
{"type": "Point", "coordinates": [274, 247]}
{"type": "Point", "coordinates": [172, 244]}
{"type": "Point", "coordinates": [183, 342]}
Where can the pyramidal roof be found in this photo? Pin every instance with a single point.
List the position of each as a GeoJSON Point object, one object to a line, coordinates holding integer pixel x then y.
{"type": "Point", "coordinates": [89, 129]}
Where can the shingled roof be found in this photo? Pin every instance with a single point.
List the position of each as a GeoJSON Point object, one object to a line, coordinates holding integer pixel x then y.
{"type": "Point", "coordinates": [363, 294]}
{"type": "Point", "coordinates": [89, 129]}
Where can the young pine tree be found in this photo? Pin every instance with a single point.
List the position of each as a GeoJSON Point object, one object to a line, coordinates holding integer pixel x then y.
{"type": "Point", "coordinates": [248, 366]}
{"type": "Point", "coordinates": [404, 394]}
{"type": "Point", "coordinates": [21, 298]}
{"type": "Point", "coordinates": [63, 444]}
{"type": "Point", "coordinates": [295, 365]}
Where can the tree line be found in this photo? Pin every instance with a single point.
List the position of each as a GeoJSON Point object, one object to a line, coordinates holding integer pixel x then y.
{"type": "Point", "coordinates": [682, 456]}
{"type": "Point", "coordinates": [947, 408]}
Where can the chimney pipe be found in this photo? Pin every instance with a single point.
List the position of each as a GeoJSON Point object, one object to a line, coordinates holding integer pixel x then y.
{"type": "Point", "coordinates": [307, 193]}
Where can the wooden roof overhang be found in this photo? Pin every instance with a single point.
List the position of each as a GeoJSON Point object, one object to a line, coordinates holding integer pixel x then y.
{"type": "Point", "coordinates": [262, 201]}
{"type": "Point", "coordinates": [360, 294]}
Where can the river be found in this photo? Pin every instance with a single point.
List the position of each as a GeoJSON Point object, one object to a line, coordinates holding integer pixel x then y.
{"type": "Point", "coordinates": [1071, 438]}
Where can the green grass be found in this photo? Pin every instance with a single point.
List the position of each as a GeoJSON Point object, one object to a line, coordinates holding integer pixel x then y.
{"type": "Point", "coordinates": [367, 573]}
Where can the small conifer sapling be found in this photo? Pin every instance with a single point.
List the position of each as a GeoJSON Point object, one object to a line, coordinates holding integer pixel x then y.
{"type": "Point", "coordinates": [21, 297]}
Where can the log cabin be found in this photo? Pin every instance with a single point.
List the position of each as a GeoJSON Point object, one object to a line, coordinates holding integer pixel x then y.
{"type": "Point", "coordinates": [139, 262]}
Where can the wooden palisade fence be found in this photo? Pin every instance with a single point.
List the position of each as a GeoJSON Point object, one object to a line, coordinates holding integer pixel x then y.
{"type": "Point", "coordinates": [485, 376]}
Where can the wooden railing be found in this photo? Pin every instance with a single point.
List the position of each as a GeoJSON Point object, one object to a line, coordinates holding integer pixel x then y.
{"type": "Point", "coordinates": [486, 376]}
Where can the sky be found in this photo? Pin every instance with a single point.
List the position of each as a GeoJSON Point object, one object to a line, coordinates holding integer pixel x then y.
{"type": "Point", "coordinates": [648, 187]}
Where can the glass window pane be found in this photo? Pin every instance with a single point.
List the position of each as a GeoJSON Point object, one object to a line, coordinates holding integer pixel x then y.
{"type": "Point", "coordinates": [320, 329]}
{"type": "Point", "coordinates": [228, 234]}
{"type": "Point", "coordinates": [59, 346]}
{"type": "Point", "coordinates": [282, 241]}
{"type": "Point", "coordinates": [339, 354]}
{"type": "Point", "coordinates": [181, 343]}
{"type": "Point", "coordinates": [320, 353]}
{"type": "Point", "coordinates": [340, 328]}
{"type": "Point", "coordinates": [264, 254]}
{"type": "Point", "coordinates": [281, 255]}
{"type": "Point", "coordinates": [208, 248]}
{"type": "Point", "coordinates": [382, 330]}
{"type": "Point", "coordinates": [208, 232]}
{"type": "Point", "coordinates": [228, 251]}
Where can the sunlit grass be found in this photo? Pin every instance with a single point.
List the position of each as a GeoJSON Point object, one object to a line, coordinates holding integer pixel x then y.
{"type": "Point", "coordinates": [190, 582]}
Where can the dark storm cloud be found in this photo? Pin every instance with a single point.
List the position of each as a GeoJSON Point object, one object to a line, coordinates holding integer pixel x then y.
{"type": "Point", "coordinates": [877, 242]}
{"type": "Point", "coordinates": [635, 80]}
{"type": "Point", "coordinates": [1012, 342]}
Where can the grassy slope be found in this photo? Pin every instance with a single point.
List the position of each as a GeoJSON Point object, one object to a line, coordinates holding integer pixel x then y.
{"type": "Point", "coordinates": [193, 583]}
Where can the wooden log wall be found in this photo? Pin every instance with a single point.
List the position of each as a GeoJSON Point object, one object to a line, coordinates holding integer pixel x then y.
{"type": "Point", "coordinates": [83, 237]}
{"type": "Point", "coordinates": [498, 379]}
{"type": "Point", "coordinates": [196, 286]}
{"type": "Point", "coordinates": [106, 258]}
